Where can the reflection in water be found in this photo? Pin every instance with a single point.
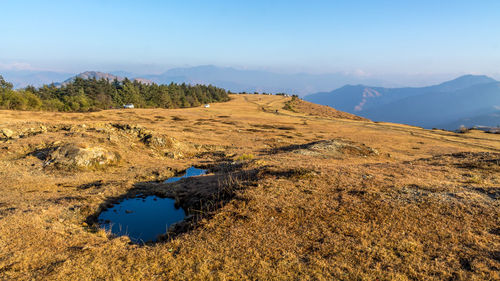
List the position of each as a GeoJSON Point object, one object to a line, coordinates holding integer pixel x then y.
{"type": "Point", "coordinates": [191, 172]}
{"type": "Point", "coordinates": [144, 218]}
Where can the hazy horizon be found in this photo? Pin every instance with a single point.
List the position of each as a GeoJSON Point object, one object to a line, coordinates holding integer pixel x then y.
{"type": "Point", "coordinates": [449, 38]}
{"type": "Point", "coordinates": [390, 80]}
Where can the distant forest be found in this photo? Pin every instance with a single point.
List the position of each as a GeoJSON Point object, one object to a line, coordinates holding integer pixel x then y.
{"type": "Point", "coordinates": [82, 95]}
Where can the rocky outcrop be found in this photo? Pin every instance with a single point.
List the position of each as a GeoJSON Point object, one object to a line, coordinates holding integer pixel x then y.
{"type": "Point", "coordinates": [22, 133]}
{"type": "Point", "coordinates": [6, 133]}
{"type": "Point", "coordinates": [80, 156]}
{"type": "Point", "coordinates": [165, 145]}
{"type": "Point", "coordinates": [330, 148]}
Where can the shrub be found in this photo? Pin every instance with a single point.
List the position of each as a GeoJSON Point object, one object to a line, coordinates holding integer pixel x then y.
{"type": "Point", "coordinates": [245, 157]}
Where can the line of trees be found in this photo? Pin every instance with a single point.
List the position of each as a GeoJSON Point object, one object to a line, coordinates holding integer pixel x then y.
{"type": "Point", "coordinates": [95, 94]}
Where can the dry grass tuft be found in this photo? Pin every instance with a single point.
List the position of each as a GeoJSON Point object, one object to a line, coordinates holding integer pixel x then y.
{"type": "Point", "coordinates": [245, 157]}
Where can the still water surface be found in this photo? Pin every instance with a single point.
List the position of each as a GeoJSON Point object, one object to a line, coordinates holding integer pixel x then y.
{"type": "Point", "coordinates": [144, 218]}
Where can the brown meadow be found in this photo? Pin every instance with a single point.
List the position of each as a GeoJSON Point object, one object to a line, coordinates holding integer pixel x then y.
{"type": "Point", "coordinates": [302, 193]}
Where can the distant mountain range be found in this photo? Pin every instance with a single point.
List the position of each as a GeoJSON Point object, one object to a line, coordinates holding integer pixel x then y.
{"type": "Point", "coordinates": [232, 79]}
{"type": "Point", "coordinates": [238, 80]}
{"type": "Point", "coordinates": [23, 78]}
{"type": "Point", "coordinates": [468, 100]}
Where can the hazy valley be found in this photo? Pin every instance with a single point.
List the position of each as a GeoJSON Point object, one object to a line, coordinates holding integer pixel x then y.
{"type": "Point", "coordinates": [466, 101]}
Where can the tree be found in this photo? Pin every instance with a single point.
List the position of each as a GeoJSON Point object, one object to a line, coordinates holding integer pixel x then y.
{"type": "Point", "coordinates": [32, 101]}
{"type": "Point", "coordinates": [90, 94]}
{"type": "Point", "coordinates": [4, 85]}
{"type": "Point", "coordinates": [13, 100]}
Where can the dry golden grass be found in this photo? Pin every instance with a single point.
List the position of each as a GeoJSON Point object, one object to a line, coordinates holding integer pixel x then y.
{"type": "Point", "coordinates": [305, 107]}
{"type": "Point", "coordinates": [425, 206]}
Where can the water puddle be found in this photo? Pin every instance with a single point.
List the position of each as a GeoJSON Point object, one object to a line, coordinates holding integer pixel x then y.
{"type": "Point", "coordinates": [144, 218]}
{"type": "Point", "coordinates": [190, 172]}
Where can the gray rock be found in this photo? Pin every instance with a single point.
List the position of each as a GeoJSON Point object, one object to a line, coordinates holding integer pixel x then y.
{"type": "Point", "coordinates": [72, 156]}
{"type": "Point", "coordinates": [6, 133]}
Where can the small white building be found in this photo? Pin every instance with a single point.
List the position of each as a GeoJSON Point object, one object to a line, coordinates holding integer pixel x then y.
{"type": "Point", "coordinates": [206, 105]}
{"type": "Point", "coordinates": [129, 105]}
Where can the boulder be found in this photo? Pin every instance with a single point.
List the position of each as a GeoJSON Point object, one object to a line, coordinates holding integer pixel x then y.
{"type": "Point", "coordinates": [33, 131]}
{"type": "Point", "coordinates": [6, 133]}
{"type": "Point", "coordinates": [71, 156]}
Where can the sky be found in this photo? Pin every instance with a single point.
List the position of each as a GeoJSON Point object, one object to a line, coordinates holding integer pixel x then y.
{"type": "Point", "coordinates": [367, 37]}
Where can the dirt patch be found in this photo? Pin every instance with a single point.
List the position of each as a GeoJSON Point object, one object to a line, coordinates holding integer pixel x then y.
{"type": "Point", "coordinates": [329, 148]}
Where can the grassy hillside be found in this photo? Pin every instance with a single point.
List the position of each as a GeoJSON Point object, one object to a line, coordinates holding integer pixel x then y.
{"type": "Point", "coordinates": [289, 195]}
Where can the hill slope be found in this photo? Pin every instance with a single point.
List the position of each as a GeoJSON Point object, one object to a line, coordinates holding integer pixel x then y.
{"type": "Point", "coordinates": [312, 109]}
{"type": "Point", "coordinates": [435, 108]}
{"type": "Point", "coordinates": [287, 196]}
{"type": "Point", "coordinates": [429, 107]}
{"type": "Point", "coordinates": [488, 116]}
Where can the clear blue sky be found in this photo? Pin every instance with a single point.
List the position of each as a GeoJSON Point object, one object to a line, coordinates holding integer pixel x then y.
{"type": "Point", "coordinates": [317, 36]}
